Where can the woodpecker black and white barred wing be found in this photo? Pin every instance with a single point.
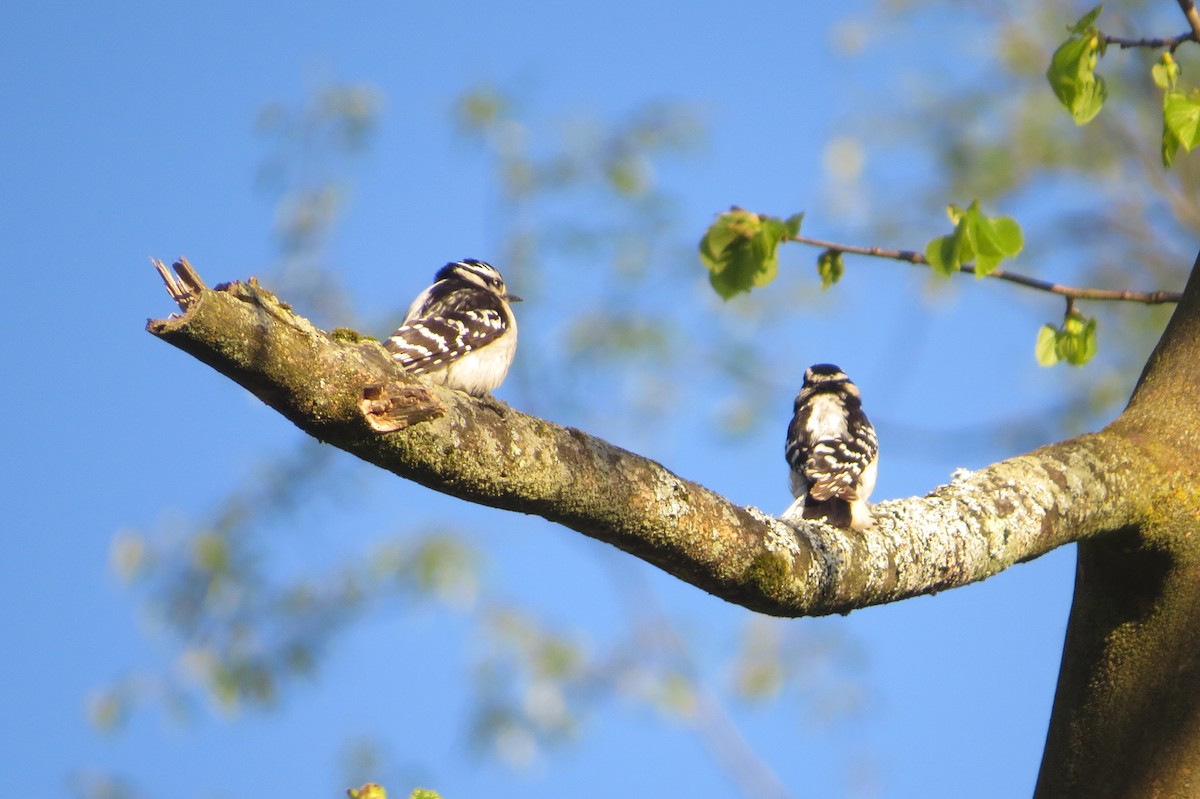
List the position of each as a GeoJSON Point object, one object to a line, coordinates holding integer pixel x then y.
{"type": "Point", "coordinates": [836, 466]}
{"type": "Point", "coordinates": [832, 451]}
{"type": "Point", "coordinates": [447, 328]}
{"type": "Point", "coordinates": [831, 444]}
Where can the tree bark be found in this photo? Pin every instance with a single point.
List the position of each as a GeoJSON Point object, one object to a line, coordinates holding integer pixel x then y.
{"type": "Point", "coordinates": [1126, 720]}
{"type": "Point", "coordinates": [1127, 712]}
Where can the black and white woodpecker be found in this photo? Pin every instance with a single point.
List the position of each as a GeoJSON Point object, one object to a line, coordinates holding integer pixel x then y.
{"type": "Point", "coordinates": [460, 332]}
{"type": "Point", "coordinates": [832, 451]}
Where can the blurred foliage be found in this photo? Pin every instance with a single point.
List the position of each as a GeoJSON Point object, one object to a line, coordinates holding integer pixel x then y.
{"type": "Point", "coordinates": [242, 630]}
{"type": "Point", "coordinates": [310, 150]}
{"type": "Point", "coordinates": [242, 634]}
{"type": "Point", "coordinates": [92, 784]}
{"type": "Point", "coordinates": [822, 668]}
{"type": "Point", "coordinates": [582, 214]}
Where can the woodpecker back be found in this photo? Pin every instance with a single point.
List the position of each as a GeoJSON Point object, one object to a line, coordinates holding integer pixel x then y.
{"type": "Point", "coordinates": [831, 449]}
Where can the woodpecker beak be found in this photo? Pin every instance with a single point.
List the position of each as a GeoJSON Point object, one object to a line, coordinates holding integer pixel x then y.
{"type": "Point", "coordinates": [513, 298]}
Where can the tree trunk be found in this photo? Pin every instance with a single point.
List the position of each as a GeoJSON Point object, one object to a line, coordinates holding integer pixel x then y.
{"type": "Point", "coordinates": [1126, 720]}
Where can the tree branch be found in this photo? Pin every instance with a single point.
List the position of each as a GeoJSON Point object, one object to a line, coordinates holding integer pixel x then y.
{"type": "Point", "coordinates": [1193, 17]}
{"type": "Point", "coordinates": [486, 453]}
{"type": "Point", "coordinates": [1171, 43]}
{"type": "Point", "coordinates": [1070, 292]}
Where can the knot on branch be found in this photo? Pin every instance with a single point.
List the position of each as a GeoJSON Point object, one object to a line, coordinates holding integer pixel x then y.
{"type": "Point", "coordinates": [391, 407]}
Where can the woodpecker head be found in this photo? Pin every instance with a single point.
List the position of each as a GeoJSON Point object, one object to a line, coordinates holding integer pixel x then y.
{"type": "Point", "coordinates": [826, 378]}
{"type": "Point", "coordinates": [476, 273]}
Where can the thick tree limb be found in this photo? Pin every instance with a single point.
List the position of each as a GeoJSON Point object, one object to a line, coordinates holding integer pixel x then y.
{"type": "Point", "coordinates": [1126, 719]}
{"type": "Point", "coordinates": [484, 452]}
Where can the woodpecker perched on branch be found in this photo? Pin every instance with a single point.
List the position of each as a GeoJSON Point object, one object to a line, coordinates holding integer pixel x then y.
{"type": "Point", "coordinates": [460, 332]}
{"type": "Point", "coordinates": [832, 451]}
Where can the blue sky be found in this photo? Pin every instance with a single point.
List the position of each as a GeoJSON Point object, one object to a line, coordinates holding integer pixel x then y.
{"type": "Point", "coordinates": [128, 132]}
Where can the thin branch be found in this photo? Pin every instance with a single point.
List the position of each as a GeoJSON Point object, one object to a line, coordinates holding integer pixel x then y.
{"type": "Point", "coordinates": [1171, 43]}
{"type": "Point", "coordinates": [1070, 292]}
{"type": "Point", "coordinates": [1188, 7]}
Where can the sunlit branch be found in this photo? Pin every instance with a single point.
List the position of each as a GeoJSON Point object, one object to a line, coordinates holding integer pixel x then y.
{"type": "Point", "coordinates": [484, 452]}
{"type": "Point", "coordinates": [1070, 292]}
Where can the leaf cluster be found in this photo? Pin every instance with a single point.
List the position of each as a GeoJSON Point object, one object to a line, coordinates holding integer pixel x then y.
{"type": "Point", "coordinates": [1073, 342]}
{"type": "Point", "coordinates": [830, 267]}
{"type": "Point", "coordinates": [1072, 76]}
{"type": "Point", "coordinates": [985, 240]}
{"type": "Point", "coordinates": [1181, 110]}
{"type": "Point", "coordinates": [1072, 73]}
{"type": "Point", "coordinates": [740, 249]}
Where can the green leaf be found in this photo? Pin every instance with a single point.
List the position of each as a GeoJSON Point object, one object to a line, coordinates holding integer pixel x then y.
{"type": "Point", "coordinates": [830, 267]}
{"type": "Point", "coordinates": [993, 240]}
{"type": "Point", "coordinates": [1178, 109]}
{"type": "Point", "coordinates": [946, 253]}
{"type": "Point", "coordinates": [1166, 72]}
{"type": "Point", "coordinates": [1072, 72]}
{"type": "Point", "coordinates": [1090, 343]}
{"type": "Point", "coordinates": [792, 224]}
{"type": "Point", "coordinates": [1087, 20]}
{"type": "Point", "coordinates": [1007, 235]}
{"type": "Point", "coordinates": [1181, 122]}
{"type": "Point", "coordinates": [1046, 349]}
{"type": "Point", "coordinates": [1077, 340]}
{"type": "Point", "coordinates": [1170, 147]}
{"type": "Point", "coordinates": [942, 254]}
{"type": "Point", "coordinates": [740, 249]}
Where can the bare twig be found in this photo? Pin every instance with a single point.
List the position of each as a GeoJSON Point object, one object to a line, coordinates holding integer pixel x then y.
{"type": "Point", "coordinates": [1171, 43]}
{"type": "Point", "coordinates": [1071, 292]}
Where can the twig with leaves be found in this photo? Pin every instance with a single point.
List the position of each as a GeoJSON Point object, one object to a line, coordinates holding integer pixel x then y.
{"type": "Point", "coordinates": [740, 250]}
{"type": "Point", "coordinates": [1070, 292]}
